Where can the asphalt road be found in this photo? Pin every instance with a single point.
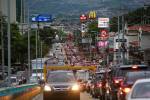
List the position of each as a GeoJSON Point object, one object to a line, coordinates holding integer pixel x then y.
{"type": "Point", "coordinates": [83, 96]}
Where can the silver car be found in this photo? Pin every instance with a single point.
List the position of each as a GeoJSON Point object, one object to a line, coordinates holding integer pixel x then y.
{"type": "Point", "coordinates": [61, 85]}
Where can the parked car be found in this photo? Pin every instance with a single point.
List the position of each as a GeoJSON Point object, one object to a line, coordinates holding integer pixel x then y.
{"type": "Point", "coordinates": [140, 90]}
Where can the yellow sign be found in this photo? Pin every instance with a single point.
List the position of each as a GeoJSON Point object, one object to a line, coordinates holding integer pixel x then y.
{"type": "Point", "coordinates": [92, 15]}
{"type": "Point", "coordinates": [67, 67]}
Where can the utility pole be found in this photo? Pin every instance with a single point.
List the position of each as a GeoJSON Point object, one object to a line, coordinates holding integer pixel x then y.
{"type": "Point", "coordinates": [36, 52]}
{"type": "Point", "coordinates": [29, 66]}
{"type": "Point", "coordinates": [2, 46]}
{"type": "Point", "coordinates": [41, 57]}
{"type": "Point", "coordinates": [9, 41]}
{"type": "Point", "coordinates": [119, 39]}
{"type": "Point", "coordinates": [123, 37]}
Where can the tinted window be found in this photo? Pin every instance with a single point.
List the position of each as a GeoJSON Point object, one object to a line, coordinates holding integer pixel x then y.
{"type": "Point", "coordinates": [61, 77]}
{"type": "Point", "coordinates": [13, 80]}
{"type": "Point", "coordinates": [123, 71]}
{"type": "Point", "coordinates": [131, 77]}
{"type": "Point", "coordinates": [141, 90]}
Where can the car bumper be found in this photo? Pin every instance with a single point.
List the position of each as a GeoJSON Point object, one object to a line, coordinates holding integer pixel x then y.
{"type": "Point", "coordinates": [61, 95]}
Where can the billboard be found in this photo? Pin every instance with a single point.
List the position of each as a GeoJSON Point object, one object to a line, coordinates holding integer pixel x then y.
{"type": "Point", "coordinates": [102, 44]}
{"type": "Point", "coordinates": [103, 22]}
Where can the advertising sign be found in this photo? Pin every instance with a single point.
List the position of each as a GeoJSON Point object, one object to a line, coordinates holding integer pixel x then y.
{"type": "Point", "coordinates": [103, 22]}
{"type": "Point", "coordinates": [102, 44]}
{"type": "Point", "coordinates": [83, 18]}
{"type": "Point", "coordinates": [104, 34]}
{"type": "Point", "coordinates": [92, 14]}
{"type": "Point", "coordinates": [83, 28]}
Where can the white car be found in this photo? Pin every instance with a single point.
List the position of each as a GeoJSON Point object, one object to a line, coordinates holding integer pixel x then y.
{"type": "Point", "coordinates": [140, 90]}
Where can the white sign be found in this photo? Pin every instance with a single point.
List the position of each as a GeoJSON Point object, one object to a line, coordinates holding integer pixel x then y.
{"type": "Point", "coordinates": [83, 28]}
{"type": "Point", "coordinates": [103, 22]}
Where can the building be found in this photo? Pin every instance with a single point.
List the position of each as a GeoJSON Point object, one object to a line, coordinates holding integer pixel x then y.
{"type": "Point", "coordinates": [20, 11]}
{"type": "Point", "coordinates": [136, 47]}
{"type": "Point", "coordinates": [140, 42]}
{"type": "Point", "coordinates": [4, 8]}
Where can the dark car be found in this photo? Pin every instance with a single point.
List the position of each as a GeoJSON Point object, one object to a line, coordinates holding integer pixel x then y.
{"type": "Point", "coordinates": [61, 85]}
{"type": "Point", "coordinates": [119, 73]}
{"type": "Point", "coordinates": [98, 87]}
{"type": "Point", "coordinates": [128, 82]}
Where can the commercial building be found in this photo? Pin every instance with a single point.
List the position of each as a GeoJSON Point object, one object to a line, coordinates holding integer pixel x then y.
{"type": "Point", "coordinates": [4, 9]}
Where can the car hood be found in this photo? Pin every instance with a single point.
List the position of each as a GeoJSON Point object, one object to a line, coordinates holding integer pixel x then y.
{"type": "Point", "coordinates": [62, 83]}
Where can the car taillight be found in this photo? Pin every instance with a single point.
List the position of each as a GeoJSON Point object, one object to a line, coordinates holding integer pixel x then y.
{"type": "Point", "coordinates": [126, 90]}
{"type": "Point", "coordinates": [117, 81]}
{"type": "Point", "coordinates": [99, 85]}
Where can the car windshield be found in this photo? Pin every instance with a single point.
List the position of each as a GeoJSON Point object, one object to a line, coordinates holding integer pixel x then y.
{"type": "Point", "coordinates": [61, 77]}
{"type": "Point", "coordinates": [131, 77]}
{"type": "Point", "coordinates": [121, 72]}
{"type": "Point", "coordinates": [13, 80]}
{"type": "Point", "coordinates": [141, 90]}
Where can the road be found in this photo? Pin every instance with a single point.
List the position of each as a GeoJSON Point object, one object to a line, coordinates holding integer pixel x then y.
{"type": "Point", "coordinates": [83, 96]}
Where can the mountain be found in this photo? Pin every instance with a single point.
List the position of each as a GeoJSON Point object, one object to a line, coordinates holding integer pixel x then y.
{"type": "Point", "coordinates": [71, 8]}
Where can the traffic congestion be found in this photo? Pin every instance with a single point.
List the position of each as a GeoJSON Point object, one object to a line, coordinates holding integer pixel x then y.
{"type": "Point", "coordinates": [112, 83]}
{"type": "Point", "coordinates": [74, 49]}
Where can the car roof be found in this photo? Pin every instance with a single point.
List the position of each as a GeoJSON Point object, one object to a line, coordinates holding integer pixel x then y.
{"type": "Point", "coordinates": [128, 66]}
{"type": "Point", "coordinates": [142, 80]}
{"type": "Point", "coordinates": [59, 71]}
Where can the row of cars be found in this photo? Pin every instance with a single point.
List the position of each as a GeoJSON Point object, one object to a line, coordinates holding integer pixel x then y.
{"type": "Point", "coordinates": [15, 79]}
{"type": "Point", "coordinates": [116, 83]}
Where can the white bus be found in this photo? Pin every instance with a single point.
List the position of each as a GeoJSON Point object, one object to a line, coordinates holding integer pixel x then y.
{"type": "Point", "coordinates": [37, 66]}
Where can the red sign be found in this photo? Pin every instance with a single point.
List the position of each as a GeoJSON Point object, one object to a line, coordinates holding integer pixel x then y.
{"type": "Point", "coordinates": [104, 34]}
{"type": "Point", "coordinates": [83, 17]}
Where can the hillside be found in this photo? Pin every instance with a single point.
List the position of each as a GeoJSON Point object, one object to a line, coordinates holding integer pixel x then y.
{"type": "Point", "coordinates": [77, 7]}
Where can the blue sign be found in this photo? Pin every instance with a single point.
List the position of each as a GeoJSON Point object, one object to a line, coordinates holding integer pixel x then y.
{"type": "Point", "coordinates": [42, 18]}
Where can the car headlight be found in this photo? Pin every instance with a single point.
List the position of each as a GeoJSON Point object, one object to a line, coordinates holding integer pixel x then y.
{"type": "Point", "coordinates": [75, 87]}
{"type": "Point", "coordinates": [47, 88]}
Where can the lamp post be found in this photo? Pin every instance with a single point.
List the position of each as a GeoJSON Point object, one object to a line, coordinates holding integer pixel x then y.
{"type": "Point", "coordinates": [2, 46]}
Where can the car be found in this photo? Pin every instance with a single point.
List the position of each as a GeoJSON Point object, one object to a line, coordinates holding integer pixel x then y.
{"type": "Point", "coordinates": [119, 73]}
{"type": "Point", "coordinates": [14, 81]}
{"type": "Point", "coordinates": [61, 85]}
{"type": "Point", "coordinates": [128, 82]}
{"type": "Point", "coordinates": [140, 90]}
{"type": "Point", "coordinates": [34, 79]}
{"type": "Point", "coordinates": [22, 74]}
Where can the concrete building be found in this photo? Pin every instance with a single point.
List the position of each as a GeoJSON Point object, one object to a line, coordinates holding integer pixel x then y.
{"type": "Point", "coordinates": [137, 45]}
{"type": "Point", "coordinates": [141, 41]}
{"type": "Point", "coordinates": [4, 8]}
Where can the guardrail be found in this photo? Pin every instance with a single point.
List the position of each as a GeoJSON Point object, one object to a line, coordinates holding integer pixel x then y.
{"type": "Point", "coordinates": [16, 89]}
